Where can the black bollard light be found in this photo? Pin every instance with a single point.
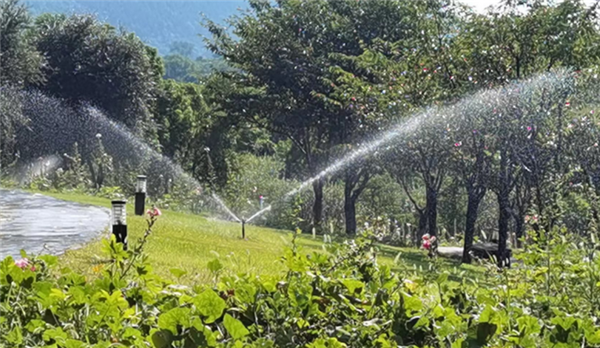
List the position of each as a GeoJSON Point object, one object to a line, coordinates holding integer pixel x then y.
{"type": "Point", "coordinates": [243, 228]}
{"type": "Point", "coordinates": [140, 195]}
{"type": "Point", "coordinates": [119, 221]}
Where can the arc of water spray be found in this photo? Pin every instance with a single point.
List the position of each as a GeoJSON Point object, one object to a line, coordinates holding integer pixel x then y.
{"type": "Point", "coordinates": [369, 148]}
{"type": "Point", "coordinates": [341, 163]}
{"type": "Point", "coordinates": [222, 204]}
{"type": "Point", "coordinates": [408, 126]}
{"type": "Point", "coordinates": [259, 213]}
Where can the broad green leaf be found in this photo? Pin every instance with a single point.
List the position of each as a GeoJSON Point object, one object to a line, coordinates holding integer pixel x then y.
{"type": "Point", "coordinates": [57, 335]}
{"type": "Point", "coordinates": [171, 319]}
{"type": "Point", "coordinates": [234, 327]}
{"type": "Point", "coordinates": [529, 325]}
{"type": "Point", "coordinates": [71, 343]}
{"type": "Point", "coordinates": [210, 305]}
{"type": "Point", "coordinates": [215, 266]}
{"type": "Point", "coordinates": [35, 325]}
{"type": "Point", "coordinates": [352, 285]}
{"type": "Point", "coordinates": [177, 272]}
{"type": "Point", "coordinates": [15, 336]}
{"type": "Point", "coordinates": [162, 339]}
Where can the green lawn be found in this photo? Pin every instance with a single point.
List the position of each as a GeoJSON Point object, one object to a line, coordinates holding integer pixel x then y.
{"type": "Point", "coordinates": [188, 242]}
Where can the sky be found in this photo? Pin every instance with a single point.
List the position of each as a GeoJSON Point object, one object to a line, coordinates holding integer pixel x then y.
{"type": "Point", "coordinates": [480, 5]}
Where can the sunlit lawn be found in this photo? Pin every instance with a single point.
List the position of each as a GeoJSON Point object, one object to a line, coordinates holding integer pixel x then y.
{"type": "Point", "coordinates": [188, 242]}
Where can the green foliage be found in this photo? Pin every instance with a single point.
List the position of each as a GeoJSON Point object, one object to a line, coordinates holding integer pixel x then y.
{"type": "Point", "coordinates": [339, 297]}
{"type": "Point", "coordinates": [183, 69]}
{"type": "Point", "coordinates": [259, 176]}
{"type": "Point", "coordinates": [91, 61]}
{"type": "Point", "coordinates": [20, 63]}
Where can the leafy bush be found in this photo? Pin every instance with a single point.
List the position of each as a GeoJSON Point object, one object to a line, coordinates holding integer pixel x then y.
{"type": "Point", "coordinates": [341, 297]}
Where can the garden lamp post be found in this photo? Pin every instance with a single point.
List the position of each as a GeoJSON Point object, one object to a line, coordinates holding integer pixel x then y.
{"type": "Point", "coordinates": [140, 195]}
{"type": "Point", "coordinates": [119, 221]}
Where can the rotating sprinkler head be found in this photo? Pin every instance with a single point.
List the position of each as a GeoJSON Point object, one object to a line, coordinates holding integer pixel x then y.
{"type": "Point", "coordinates": [243, 221]}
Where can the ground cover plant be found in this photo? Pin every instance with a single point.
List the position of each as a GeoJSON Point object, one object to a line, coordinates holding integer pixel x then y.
{"type": "Point", "coordinates": [188, 242]}
{"type": "Point", "coordinates": [343, 297]}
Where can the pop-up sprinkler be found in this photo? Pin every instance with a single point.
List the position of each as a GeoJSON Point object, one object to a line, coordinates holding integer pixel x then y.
{"type": "Point", "coordinates": [243, 228]}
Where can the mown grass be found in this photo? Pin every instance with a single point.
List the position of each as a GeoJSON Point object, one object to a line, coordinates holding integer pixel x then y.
{"type": "Point", "coordinates": [188, 242]}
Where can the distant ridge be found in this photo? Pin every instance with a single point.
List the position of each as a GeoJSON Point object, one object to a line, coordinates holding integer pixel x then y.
{"type": "Point", "coordinates": [157, 22]}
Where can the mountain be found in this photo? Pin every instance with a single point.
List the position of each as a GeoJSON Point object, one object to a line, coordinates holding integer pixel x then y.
{"type": "Point", "coordinates": [158, 23]}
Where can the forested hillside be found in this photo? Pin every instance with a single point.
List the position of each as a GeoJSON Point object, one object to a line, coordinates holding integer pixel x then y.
{"type": "Point", "coordinates": [157, 23]}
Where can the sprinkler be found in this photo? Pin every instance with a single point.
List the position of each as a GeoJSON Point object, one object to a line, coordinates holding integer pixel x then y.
{"type": "Point", "coordinates": [243, 228]}
{"type": "Point", "coordinates": [140, 195]}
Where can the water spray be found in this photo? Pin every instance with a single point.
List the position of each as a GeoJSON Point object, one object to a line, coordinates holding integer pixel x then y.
{"type": "Point", "coordinates": [259, 213]}
{"type": "Point", "coordinates": [222, 204]}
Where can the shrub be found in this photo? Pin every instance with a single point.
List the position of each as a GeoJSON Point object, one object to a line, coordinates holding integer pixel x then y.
{"type": "Point", "coordinates": [341, 297]}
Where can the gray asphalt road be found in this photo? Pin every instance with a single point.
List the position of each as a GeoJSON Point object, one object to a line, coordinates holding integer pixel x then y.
{"type": "Point", "coordinates": [41, 224]}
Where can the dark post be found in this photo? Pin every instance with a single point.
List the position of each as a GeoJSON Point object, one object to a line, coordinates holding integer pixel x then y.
{"type": "Point", "coordinates": [140, 195]}
{"type": "Point", "coordinates": [243, 228]}
{"type": "Point", "coordinates": [119, 221]}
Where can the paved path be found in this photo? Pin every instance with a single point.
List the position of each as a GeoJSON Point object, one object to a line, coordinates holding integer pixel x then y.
{"type": "Point", "coordinates": [41, 224]}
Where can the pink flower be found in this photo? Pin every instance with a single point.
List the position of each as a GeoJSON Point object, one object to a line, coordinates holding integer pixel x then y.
{"type": "Point", "coordinates": [529, 128]}
{"type": "Point", "coordinates": [428, 241]}
{"type": "Point", "coordinates": [458, 144]}
{"type": "Point", "coordinates": [22, 263]}
{"type": "Point", "coordinates": [154, 212]}
{"type": "Point", "coordinates": [567, 104]}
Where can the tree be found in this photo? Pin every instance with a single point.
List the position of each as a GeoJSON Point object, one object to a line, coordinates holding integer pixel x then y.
{"type": "Point", "coordinates": [291, 53]}
{"type": "Point", "coordinates": [181, 68]}
{"type": "Point", "coordinates": [182, 48]}
{"type": "Point", "coordinates": [90, 61]}
{"type": "Point", "coordinates": [12, 119]}
{"type": "Point", "coordinates": [470, 160]}
{"type": "Point", "coordinates": [282, 51]}
{"type": "Point", "coordinates": [394, 77]}
{"type": "Point", "coordinates": [19, 61]}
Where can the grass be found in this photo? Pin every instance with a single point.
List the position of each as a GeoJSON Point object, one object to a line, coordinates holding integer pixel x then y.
{"type": "Point", "coordinates": [188, 242]}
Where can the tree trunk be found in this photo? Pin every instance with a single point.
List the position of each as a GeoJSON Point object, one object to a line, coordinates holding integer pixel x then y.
{"type": "Point", "coordinates": [503, 219]}
{"type": "Point", "coordinates": [472, 208]}
{"type": "Point", "coordinates": [520, 228]}
{"type": "Point", "coordinates": [350, 215]}
{"type": "Point", "coordinates": [318, 204]}
{"type": "Point", "coordinates": [100, 176]}
{"type": "Point", "coordinates": [422, 226]}
{"type": "Point", "coordinates": [431, 209]}
{"type": "Point", "coordinates": [92, 172]}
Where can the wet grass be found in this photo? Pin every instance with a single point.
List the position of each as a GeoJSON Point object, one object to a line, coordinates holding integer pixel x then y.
{"type": "Point", "coordinates": [188, 242]}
